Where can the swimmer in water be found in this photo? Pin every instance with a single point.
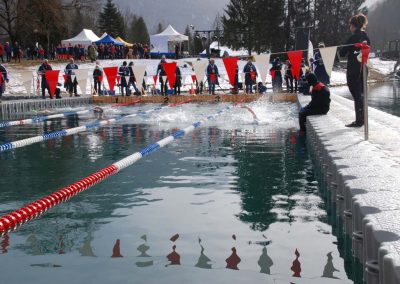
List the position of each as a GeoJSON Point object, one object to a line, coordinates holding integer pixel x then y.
{"type": "Point", "coordinates": [98, 112]}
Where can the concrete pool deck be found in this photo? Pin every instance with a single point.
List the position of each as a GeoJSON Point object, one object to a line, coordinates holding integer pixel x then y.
{"type": "Point", "coordinates": [362, 180]}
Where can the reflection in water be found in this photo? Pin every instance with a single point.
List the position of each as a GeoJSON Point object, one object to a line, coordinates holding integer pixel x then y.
{"type": "Point", "coordinates": [203, 261]}
{"type": "Point", "coordinates": [329, 269]}
{"type": "Point", "coordinates": [61, 245]}
{"type": "Point", "coordinates": [34, 244]}
{"type": "Point", "coordinates": [174, 257]}
{"type": "Point", "coordinates": [233, 260]}
{"type": "Point", "coordinates": [296, 265]}
{"type": "Point", "coordinates": [5, 243]}
{"type": "Point", "coordinates": [265, 262]}
{"type": "Point", "coordinates": [86, 249]}
{"type": "Point", "coordinates": [117, 249]}
{"type": "Point", "coordinates": [143, 248]}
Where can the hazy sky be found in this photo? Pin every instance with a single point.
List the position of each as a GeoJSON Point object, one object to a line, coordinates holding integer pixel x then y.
{"type": "Point", "coordinates": [178, 13]}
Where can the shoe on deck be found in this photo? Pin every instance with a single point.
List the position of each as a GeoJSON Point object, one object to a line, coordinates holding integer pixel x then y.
{"type": "Point", "coordinates": [355, 124]}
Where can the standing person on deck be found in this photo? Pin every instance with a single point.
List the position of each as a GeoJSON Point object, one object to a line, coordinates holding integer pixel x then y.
{"type": "Point", "coordinates": [132, 79]}
{"type": "Point", "coordinates": [276, 69]}
{"type": "Point", "coordinates": [178, 81]}
{"type": "Point", "coordinates": [319, 67]}
{"type": "Point", "coordinates": [250, 76]}
{"type": "Point", "coordinates": [212, 76]}
{"type": "Point", "coordinates": [3, 79]}
{"type": "Point", "coordinates": [45, 66]}
{"type": "Point", "coordinates": [97, 79]}
{"type": "Point", "coordinates": [123, 72]}
{"type": "Point", "coordinates": [72, 83]}
{"type": "Point", "coordinates": [354, 74]}
{"type": "Point", "coordinates": [320, 100]}
{"type": "Point", "coordinates": [161, 73]}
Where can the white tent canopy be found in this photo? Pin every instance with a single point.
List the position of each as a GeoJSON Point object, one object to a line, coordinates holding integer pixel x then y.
{"type": "Point", "coordinates": [165, 42]}
{"type": "Point", "coordinates": [85, 38]}
{"type": "Point", "coordinates": [104, 35]}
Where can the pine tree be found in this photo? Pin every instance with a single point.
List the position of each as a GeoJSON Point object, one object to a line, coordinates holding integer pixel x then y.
{"type": "Point", "coordinates": [188, 33]}
{"type": "Point", "coordinates": [111, 20]}
{"type": "Point", "coordinates": [255, 25]}
{"type": "Point", "coordinates": [139, 32]}
{"type": "Point", "coordinates": [160, 28]}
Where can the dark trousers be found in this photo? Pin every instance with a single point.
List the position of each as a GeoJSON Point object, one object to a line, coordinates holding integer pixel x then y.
{"type": "Point", "coordinates": [97, 86]}
{"type": "Point", "coordinates": [124, 87]}
{"type": "Point", "coordinates": [164, 86]}
{"type": "Point", "coordinates": [44, 86]}
{"type": "Point", "coordinates": [72, 87]}
{"type": "Point", "coordinates": [249, 88]}
{"type": "Point", "coordinates": [177, 89]}
{"type": "Point", "coordinates": [303, 116]}
{"type": "Point", "coordinates": [355, 84]}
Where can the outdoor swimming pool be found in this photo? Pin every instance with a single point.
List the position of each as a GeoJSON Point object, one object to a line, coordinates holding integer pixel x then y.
{"type": "Point", "coordinates": [233, 186]}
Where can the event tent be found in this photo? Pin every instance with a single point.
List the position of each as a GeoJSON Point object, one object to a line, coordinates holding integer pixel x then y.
{"type": "Point", "coordinates": [124, 42]}
{"type": "Point", "coordinates": [165, 42]}
{"type": "Point", "coordinates": [85, 38]}
{"type": "Point", "coordinates": [109, 40]}
{"type": "Point", "coordinates": [103, 35]}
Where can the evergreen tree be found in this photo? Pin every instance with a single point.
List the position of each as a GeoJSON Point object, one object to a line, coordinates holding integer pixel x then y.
{"type": "Point", "coordinates": [160, 28]}
{"type": "Point", "coordinates": [188, 33]}
{"type": "Point", "coordinates": [255, 25]}
{"type": "Point", "coordinates": [111, 20]}
{"type": "Point", "coordinates": [332, 20]}
{"type": "Point", "coordinates": [139, 32]}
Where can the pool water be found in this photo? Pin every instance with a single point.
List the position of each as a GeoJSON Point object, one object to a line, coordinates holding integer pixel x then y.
{"type": "Point", "coordinates": [382, 96]}
{"type": "Point", "coordinates": [234, 202]}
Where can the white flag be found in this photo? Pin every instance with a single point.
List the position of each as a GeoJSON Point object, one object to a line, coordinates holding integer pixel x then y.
{"type": "Point", "coordinates": [328, 57]}
{"type": "Point", "coordinates": [27, 81]}
{"type": "Point", "coordinates": [164, 78]}
{"type": "Point", "coordinates": [242, 77]}
{"type": "Point", "coordinates": [138, 71]}
{"type": "Point", "coordinates": [262, 64]}
{"type": "Point", "coordinates": [200, 69]}
{"type": "Point", "coordinates": [310, 53]}
{"type": "Point", "coordinates": [81, 76]}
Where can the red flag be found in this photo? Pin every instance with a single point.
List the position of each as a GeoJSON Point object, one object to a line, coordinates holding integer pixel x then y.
{"type": "Point", "coordinates": [213, 78]}
{"type": "Point", "coordinates": [65, 76]}
{"type": "Point", "coordinates": [170, 70]}
{"type": "Point", "coordinates": [230, 66]}
{"type": "Point", "coordinates": [295, 58]}
{"type": "Point", "coordinates": [194, 78]}
{"type": "Point", "coordinates": [52, 80]}
{"type": "Point", "coordinates": [1, 80]}
{"type": "Point", "coordinates": [174, 238]}
{"type": "Point", "coordinates": [100, 78]}
{"type": "Point", "coordinates": [272, 72]}
{"type": "Point", "coordinates": [155, 78]}
{"type": "Point", "coordinates": [365, 50]}
{"type": "Point", "coordinates": [111, 74]}
{"type": "Point", "coordinates": [253, 75]}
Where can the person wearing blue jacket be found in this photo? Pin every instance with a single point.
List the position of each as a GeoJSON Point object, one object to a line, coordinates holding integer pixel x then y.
{"type": "Point", "coordinates": [212, 76]}
{"type": "Point", "coordinates": [249, 80]}
{"type": "Point", "coordinates": [123, 72]}
{"type": "Point", "coordinates": [72, 83]}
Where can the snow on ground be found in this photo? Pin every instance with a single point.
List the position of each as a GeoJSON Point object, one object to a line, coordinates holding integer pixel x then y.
{"type": "Point", "coordinates": [15, 86]}
{"type": "Point", "coordinates": [384, 67]}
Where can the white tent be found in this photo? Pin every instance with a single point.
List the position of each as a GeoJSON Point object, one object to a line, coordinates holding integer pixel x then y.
{"type": "Point", "coordinates": [85, 38]}
{"type": "Point", "coordinates": [165, 42]}
{"type": "Point", "coordinates": [104, 35]}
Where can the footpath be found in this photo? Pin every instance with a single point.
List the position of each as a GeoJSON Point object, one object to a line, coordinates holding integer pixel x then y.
{"type": "Point", "coordinates": [362, 182]}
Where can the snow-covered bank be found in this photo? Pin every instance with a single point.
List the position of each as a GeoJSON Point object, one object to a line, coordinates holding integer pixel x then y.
{"type": "Point", "coordinates": [15, 86]}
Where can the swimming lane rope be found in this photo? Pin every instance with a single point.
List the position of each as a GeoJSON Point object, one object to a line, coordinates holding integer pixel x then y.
{"type": "Point", "coordinates": [35, 209]}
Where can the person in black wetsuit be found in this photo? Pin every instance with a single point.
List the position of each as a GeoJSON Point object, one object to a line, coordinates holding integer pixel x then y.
{"type": "Point", "coordinates": [354, 74]}
{"type": "Point", "coordinates": [320, 100]}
